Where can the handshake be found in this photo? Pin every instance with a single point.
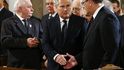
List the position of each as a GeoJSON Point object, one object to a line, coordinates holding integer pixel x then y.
{"type": "Point", "coordinates": [67, 61]}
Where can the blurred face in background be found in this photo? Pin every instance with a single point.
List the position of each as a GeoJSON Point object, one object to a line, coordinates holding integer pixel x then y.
{"type": "Point", "coordinates": [50, 6]}
{"type": "Point", "coordinates": [116, 7]}
{"type": "Point", "coordinates": [76, 7]}
{"type": "Point", "coordinates": [64, 8]}
{"type": "Point", "coordinates": [88, 6]}
{"type": "Point", "coordinates": [26, 10]}
{"type": "Point", "coordinates": [87, 9]}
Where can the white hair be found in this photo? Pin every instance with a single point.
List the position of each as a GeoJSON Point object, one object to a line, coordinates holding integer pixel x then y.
{"type": "Point", "coordinates": [76, 3]}
{"type": "Point", "coordinates": [18, 4]}
{"type": "Point", "coordinates": [108, 4]}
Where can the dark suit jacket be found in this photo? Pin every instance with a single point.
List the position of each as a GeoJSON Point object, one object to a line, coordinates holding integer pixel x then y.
{"type": "Point", "coordinates": [4, 13]}
{"type": "Point", "coordinates": [44, 19]}
{"type": "Point", "coordinates": [102, 40]}
{"type": "Point", "coordinates": [53, 42]}
{"type": "Point", "coordinates": [120, 59]}
{"type": "Point", "coordinates": [122, 29]}
{"type": "Point", "coordinates": [14, 38]}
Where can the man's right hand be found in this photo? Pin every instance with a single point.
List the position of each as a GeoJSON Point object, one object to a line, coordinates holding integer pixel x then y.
{"type": "Point", "coordinates": [61, 59]}
{"type": "Point", "coordinates": [32, 42]}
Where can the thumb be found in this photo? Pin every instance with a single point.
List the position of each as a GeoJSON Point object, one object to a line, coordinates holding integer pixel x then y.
{"type": "Point", "coordinates": [69, 55]}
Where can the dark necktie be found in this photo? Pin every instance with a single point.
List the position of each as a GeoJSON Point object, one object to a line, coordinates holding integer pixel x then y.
{"type": "Point", "coordinates": [89, 24]}
{"type": "Point", "coordinates": [64, 30]}
{"type": "Point", "coordinates": [26, 24]}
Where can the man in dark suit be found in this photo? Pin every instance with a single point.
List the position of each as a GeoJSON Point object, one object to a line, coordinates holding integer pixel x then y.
{"type": "Point", "coordinates": [62, 38]}
{"type": "Point", "coordinates": [4, 13]}
{"type": "Point", "coordinates": [50, 6]}
{"type": "Point", "coordinates": [21, 35]}
{"type": "Point", "coordinates": [103, 37]}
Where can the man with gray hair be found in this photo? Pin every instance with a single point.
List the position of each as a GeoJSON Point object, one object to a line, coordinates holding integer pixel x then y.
{"type": "Point", "coordinates": [50, 6]}
{"type": "Point", "coordinates": [21, 35]}
{"type": "Point", "coordinates": [63, 38]}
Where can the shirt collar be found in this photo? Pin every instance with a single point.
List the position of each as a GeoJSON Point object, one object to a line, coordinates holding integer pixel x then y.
{"type": "Point", "coordinates": [61, 20]}
{"type": "Point", "coordinates": [98, 9]}
{"type": "Point", "coordinates": [53, 15]}
{"type": "Point", "coordinates": [19, 17]}
{"type": "Point", "coordinates": [1, 8]}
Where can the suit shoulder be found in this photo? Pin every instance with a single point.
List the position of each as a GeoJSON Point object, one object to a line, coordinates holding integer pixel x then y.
{"type": "Point", "coordinates": [9, 19]}
{"type": "Point", "coordinates": [44, 16]}
{"type": "Point", "coordinates": [77, 17]}
{"type": "Point", "coordinates": [7, 12]}
{"type": "Point", "coordinates": [33, 18]}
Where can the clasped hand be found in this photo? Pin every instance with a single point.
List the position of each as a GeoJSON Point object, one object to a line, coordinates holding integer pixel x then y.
{"type": "Point", "coordinates": [67, 61]}
{"type": "Point", "coordinates": [32, 42]}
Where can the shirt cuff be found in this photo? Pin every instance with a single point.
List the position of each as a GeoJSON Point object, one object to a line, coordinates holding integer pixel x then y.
{"type": "Point", "coordinates": [54, 58]}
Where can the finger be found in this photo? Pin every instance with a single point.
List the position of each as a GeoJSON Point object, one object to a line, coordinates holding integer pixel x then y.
{"type": "Point", "coordinates": [61, 60]}
{"type": "Point", "coordinates": [67, 66]}
{"type": "Point", "coordinates": [69, 55]}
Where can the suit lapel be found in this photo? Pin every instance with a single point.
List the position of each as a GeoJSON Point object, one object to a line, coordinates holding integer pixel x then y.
{"type": "Point", "coordinates": [58, 25]}
{"type": "Point", "coordinates": [30, 28]}
{"type": "Point", "coordinates": [20, 24]}
{"type": "Point", "coordinates": [94, 24]}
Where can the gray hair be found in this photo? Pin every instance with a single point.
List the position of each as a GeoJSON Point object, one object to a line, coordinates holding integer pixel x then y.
{"type": "Point", "coordinates": [108, 4]}
{"type": "Point", "coordinates": [18, 4]}
{"type": "Point", "coordinates": [57, 2]}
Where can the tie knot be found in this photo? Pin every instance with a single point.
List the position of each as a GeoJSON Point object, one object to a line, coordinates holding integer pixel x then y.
{"type": "Point", "coordinates": [25, 22]}
{"type": "Point", "coordinates": [65, 21]}
{"type": "Point", "coordinates": [91, 20]}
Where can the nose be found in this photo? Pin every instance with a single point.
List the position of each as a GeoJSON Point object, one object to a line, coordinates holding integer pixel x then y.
{"type": "Point", "coordinates": [65, 8]}
{"type": "Point", "coordinates": [32, 9]}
